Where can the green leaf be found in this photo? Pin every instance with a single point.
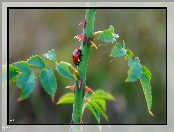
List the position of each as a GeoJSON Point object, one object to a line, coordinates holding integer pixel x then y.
{"type": "Point", "coordinates": [100, 94]}
{"type": "Point", "coordinates": [66, 99]}
{"type": "Point", "coordinates": [135, 70]}
{"type": "Point", "coordinates": [4, 75]}
{"type": "Point", "coordinates": [146, 72]}
{"type": "Point", "coordinates": [111, 29]}
{"type": "Point", "coordinates": [93, 111]}
{"type": "Point", "coordinates": [22, 66]}
{"type": "Point", "coordinates": [63, 69]}
{"type": "Point", "coordinates": [13, 72]}
{"type": "Point", "coordinates": [51, 55]}
{"type": "Point", "coordinates": [129, 54]}
{"type": "Point", "coordinates": [98, 108]}
{"type": "Point", "coordinates": [107, 36]}
{"type": "Point", "coordinates": [26, 83]}
{"type": "Point", "coordinates": [36, 61]}
{"type": "Point", "coordinates": [48, 82]}
{"type": "Point", "coordinates": [118, 50]}
{"type": "Point", "coordinates": [101, 103]}
{"type": "Point", "coordinates": [145, 82]}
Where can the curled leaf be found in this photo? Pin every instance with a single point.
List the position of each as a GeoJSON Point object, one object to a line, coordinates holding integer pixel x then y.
{"type": "Point", "coordinates": [107, 36]}
{"type": "Point", "coordinates": [128, 54]}
{"type": "Point", "coordinates": [13, 72]}
{"type": "Point", "coordinates": [71, 87]}
{"type": "Point", "coordinates": [111, 29]}
{"type": "Point", "coordinates": [63, 68]}
{"type": "Point", "coordinates": [135, 69]}
{"type": "Point", "coordinates": [87, 89]}
{"type": "Point", "coordinates": [118, 50]}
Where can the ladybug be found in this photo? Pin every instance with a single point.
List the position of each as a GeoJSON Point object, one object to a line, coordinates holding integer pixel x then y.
{"type": "Point", "coordinates": [76, 56]}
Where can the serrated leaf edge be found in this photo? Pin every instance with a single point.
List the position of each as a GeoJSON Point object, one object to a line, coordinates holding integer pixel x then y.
{"type": "Point", "coordinates": [32, 57]}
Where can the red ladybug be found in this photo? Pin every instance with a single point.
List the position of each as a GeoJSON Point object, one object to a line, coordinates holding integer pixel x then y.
{"type": "Point", "coordinates": [76, 56]}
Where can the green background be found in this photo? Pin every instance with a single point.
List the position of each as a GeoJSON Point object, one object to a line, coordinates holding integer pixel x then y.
{"type": "Point", "coordinates": [37, 31]}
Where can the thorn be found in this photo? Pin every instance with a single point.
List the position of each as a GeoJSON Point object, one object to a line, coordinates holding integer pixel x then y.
{"type": "Point", "coordinates": [71, 87]}
{"type": "Point", "coordinates": [83, 23]}
{"type": "Point", "coordinates": [87, 89]}
{"type": "Point", "coordinates": [86, 99]}
{"type": "Point", "coordinates": [79, 37]}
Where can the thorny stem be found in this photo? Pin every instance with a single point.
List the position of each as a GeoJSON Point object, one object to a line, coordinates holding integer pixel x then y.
{"type": "Point", "coordinates": [82, 68]}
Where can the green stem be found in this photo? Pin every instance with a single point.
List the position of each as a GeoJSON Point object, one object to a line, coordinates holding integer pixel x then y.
{"type": "Point", "coordinates": [82, 68]}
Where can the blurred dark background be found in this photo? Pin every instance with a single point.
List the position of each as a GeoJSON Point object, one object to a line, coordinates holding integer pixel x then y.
{"type": "Point", "coordinates": [37, 31]}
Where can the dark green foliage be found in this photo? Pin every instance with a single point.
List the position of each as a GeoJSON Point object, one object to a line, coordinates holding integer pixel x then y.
{"type": "Point", "coordinates": [118, 50]}
{"type": "Point", "coordinates": [135, 70]}
{"type": "Point", "coordinates": [96, 103]}
{"type": "Point", "coordinates": [26, 83]}
{"type": "Point", "coordinates": [22, 66]}
{"type": "Point", "coordinates": [63, 68]}
{"type": "Point", "coordinates": [48, 82]}
{"type": "Point", "coordinates": [20, 72]}
{"type": "Point", "coordinates": [13, 72]}
{"type": "Point", "coordinates": [36, 62]}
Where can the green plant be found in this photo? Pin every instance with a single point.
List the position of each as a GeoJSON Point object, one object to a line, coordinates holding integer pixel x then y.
{"type": "Point", "coordinates": [96, 103]}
